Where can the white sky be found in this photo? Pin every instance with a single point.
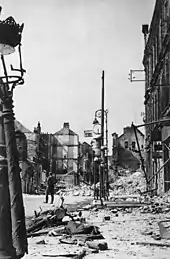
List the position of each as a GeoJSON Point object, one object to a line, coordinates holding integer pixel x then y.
{"type": "Point", "coordinates": [66, 45]}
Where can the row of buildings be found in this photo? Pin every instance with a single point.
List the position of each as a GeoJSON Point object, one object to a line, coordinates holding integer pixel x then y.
{"type": "Point", "coordinates": [67, 158]}
{"type": "Point", "coordinates": [156, 63]}
{"type": "Point", "coordinates": [60, 153]}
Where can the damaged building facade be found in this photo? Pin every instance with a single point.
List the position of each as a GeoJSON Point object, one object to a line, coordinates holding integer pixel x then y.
{"type": "Point", "coordinates": [66, 152]}
{"type": "Point", "coordinates": [125, 153]}
{"type": "Point", "coordinates": [156, 62]}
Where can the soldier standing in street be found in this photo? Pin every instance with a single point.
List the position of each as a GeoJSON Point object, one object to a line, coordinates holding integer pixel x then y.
{"type": "Point", "coordinates": [50, 188]}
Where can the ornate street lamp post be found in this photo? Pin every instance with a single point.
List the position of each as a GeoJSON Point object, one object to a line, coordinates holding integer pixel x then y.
{"type": "Point", "coordinates": [12, 215]}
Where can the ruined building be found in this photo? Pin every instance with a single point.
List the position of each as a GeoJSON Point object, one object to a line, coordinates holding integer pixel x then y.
{"type": "Point", "coordinates": [66, 152]}
{"type": "Point", "coordinates": [125, 152]}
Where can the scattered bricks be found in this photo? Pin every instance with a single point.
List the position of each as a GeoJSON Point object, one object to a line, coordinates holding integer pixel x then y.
{"type": "Point", "coordinates": [97, 245]}
{"type": "Point", "coordinates": [41, 242]}
{"type": "Point", "coordinates": [83, 220]}
{"type": "Point", "coordinates": [166, 210]}
{"type": "Point", "coordinates": [66, 219]}
{"type": "Point", "coordinates": [80, 243]}
{"type": "Point", "coordinates": [147, 232]}
{"type": "Point", "coordinates": [156, 237]}
{"type": "Point", "coordinates": [95, 209]}
{"type": "Point", "coordinates": [114, 211]}
{"type": "Point", "coordinates": [106, 218]}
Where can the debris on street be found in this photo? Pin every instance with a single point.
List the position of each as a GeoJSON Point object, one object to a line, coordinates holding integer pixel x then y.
{"type": "Point", "coordinates": [65, 228]}
{"type": "Point", "coordinates": [129, 184]}
{"type": "Point", "coordinates": [47, 218]}
{"type": "Point", "coordinates": [129, 220]}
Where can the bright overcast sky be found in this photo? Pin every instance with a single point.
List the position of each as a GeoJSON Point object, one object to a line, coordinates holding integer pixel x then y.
{"type": "Point", "coordinates": [66, 45]}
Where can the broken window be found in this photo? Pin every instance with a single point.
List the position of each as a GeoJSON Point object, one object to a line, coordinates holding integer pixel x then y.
{"type": "Point", "coordinates": [126, 144]}
{"type": "Point", "coordinates": [133, 145]}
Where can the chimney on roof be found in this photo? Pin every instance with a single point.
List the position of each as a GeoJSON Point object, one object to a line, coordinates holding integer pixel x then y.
{"type": "Point", "coordinates": [39, 128]}
{"type": "Point", "coordinates": [66, 125]}
{"type": "Point", "coordinates": [35, 130]}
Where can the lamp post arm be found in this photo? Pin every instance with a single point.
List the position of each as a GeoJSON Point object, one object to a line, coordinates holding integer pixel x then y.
{"type": "Point", "coordinates": [21, 70]}
{"type": "Point", "coordinates": [5, 70]}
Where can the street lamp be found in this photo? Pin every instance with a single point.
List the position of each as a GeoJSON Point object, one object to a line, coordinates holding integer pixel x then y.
{"type": "Point", "coordinates": [13, 241]}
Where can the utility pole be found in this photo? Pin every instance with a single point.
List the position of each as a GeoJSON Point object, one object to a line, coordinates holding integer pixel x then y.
{"type": "Point", "coordinates": [106, 155]}
{"type": "Point", "coordinates": [102, 141]}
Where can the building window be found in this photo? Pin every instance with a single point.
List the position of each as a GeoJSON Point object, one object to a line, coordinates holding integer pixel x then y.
{"type": "Point", "coordinates": [126, 144]}
{"type": "Point", "coordinates": [133, 145]}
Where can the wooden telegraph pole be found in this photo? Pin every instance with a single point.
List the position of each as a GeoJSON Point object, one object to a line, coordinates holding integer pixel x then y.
{"type": "Point", "coordinates": [102, 141]}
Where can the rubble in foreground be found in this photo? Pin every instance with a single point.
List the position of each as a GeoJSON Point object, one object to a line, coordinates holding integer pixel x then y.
{"type": "Point", "coordinates": [129, 224]}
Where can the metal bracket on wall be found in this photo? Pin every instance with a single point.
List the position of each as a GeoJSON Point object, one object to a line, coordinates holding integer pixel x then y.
{"type": "Point", "coordinates": [132, 77]}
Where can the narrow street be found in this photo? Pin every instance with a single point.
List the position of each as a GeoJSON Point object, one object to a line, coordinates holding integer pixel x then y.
{"type": "Point", "coordinates": [90, 128]}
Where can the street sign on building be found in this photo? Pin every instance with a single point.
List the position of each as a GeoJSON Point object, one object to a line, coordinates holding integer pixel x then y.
{"type": "Point", "coordinates": [88, 133]}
